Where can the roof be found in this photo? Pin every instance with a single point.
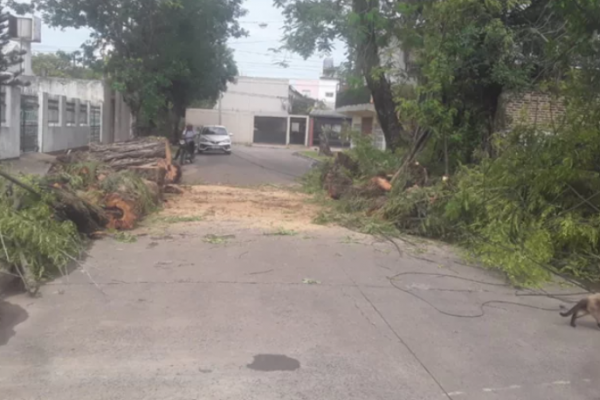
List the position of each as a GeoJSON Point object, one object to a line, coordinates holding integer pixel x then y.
{"type": "Point", "coordinates": [356, 108]}
{"type": "Point", "coordinates": [328, 114]}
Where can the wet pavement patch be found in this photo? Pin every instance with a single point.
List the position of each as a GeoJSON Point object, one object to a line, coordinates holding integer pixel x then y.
{"type": "Point", "coordinates": [273, 362]}
{"type": "Point", "coordinates": [11, 315]}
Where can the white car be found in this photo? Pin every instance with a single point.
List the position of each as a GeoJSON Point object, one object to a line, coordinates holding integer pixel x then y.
{"type": "Point", "coordinates": [214, 138]}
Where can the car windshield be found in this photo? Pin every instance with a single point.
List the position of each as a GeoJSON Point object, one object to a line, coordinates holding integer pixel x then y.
{"type": "Point", "coordinates": [215, 130]}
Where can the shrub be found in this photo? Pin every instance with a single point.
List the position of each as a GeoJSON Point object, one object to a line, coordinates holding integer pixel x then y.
{"type": "Point", "coordinates": [32, 239]}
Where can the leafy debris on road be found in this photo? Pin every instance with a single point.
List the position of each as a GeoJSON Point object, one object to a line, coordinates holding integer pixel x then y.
{"type": "Point", "coordinates": [282, 232]}
{"type": "Point", "coordinates": [309, 281]}
{"type": "Point", "coordinates": [217, 239]}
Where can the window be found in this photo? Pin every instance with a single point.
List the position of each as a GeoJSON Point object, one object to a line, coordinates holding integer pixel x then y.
{"type": "Point", "coordinates": [53, 114]}
{"type": "Point", "coordinates": [329, 95]}
{"type": "Point", "coordinates": [70, 117]}
{"type": "Point", "coordinates": [83, 114]}
{"type": "Point", "coordinates": [295, 126]}
{"type": "Point", "coordinates": [306, 93]}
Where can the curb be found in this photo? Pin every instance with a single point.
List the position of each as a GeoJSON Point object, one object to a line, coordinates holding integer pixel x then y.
{"type": "Point", "coordinates": [315, 163]}
{"type": "Point", "coordinates": [6, 280]}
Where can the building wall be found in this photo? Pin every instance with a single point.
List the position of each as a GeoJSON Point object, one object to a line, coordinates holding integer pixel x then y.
{"type": "Point", "coordinates": [256, 95]}
{"type": "Point", "coordinates": [10, 139]}
{"type": "Point", "coordinates": [308, 87]}
{"type": "Point", "coordinates": [61, 136]}
{"type": "Point", "coordinates": [397, 60]}
{"type": "Point", "coordinates": [328, 92]}
{"type": "Point", "coordinates": [318, 89]}
{"type": "Point", "coordinates": [533, 108]}
{"type": "Point", "coordinates": [87, 90]}
{"type": "Point", "coordinates": [240, 124]}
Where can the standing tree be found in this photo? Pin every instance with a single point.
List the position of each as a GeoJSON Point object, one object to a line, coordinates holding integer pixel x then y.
{"type": "Point", "coordinates": [162, 55]}
{"type": "Point", "coordinates": [366, 27]}
{"type": "Point", "coordinates": [63, 65]}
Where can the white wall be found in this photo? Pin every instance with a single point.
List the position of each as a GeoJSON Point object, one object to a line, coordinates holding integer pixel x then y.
{"type": "Point", "coordinates": [256, 95]}
{"type": "Point", "coordinates": [395, 59]}
{"type": "Point", "coordinates": [62, 136]}
{"type": "Point", "coordinates": [10, 137]}
{"type": "Point", "coordinates": [241, 124]}
{"type": "Point", "coordinates": [86, 90]}
{"type": "Point", "coordinates": [328, 86]}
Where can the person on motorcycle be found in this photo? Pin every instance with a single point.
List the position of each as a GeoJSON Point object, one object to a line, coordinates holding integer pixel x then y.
{"type": "Point", "coordinates": [188, 137]}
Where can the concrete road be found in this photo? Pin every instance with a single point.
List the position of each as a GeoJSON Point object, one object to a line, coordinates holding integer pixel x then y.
{"type": "Point", "coordinates": [247, 166]}
{"type": "Point", "coordinates": [310, 316]}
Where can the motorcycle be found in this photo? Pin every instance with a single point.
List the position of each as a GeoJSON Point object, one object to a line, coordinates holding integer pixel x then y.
{"type": "Point", "coordinates": [185, 152]}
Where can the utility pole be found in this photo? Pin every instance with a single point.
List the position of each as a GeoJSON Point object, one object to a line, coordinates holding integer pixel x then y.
{"type": "Point", "coordinates": [220, 109]}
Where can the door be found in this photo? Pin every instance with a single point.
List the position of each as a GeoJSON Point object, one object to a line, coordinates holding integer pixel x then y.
{"type": "Point", "coordinates": [367, 125]}
{"type": "Point", "coordinates": [270, 130]}
{"type": "Point", "coordinates": [95, 124]}
{"type": "Point", "coordinates": [297, 131]}
{"type": "Point", "coordinates": [29, 124]}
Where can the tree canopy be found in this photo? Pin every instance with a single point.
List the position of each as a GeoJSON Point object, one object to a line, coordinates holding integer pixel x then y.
{"type": "Point", "coordinates": [366, 28]}
{"type": "Point", "coordinates": [162, 55]}
{"type": "Point", "coordinates": [63, 65]}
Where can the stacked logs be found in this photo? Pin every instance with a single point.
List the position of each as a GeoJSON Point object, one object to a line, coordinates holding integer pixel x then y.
{"type": "Point", "coordinates": [148, 157]}
{"type": "Point", "coordinates": [115, 185]}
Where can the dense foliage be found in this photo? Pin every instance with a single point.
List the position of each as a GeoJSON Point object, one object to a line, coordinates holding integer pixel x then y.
{"type": "Point", "coordinates": [63, 65]}
{"type": "Point", "coordinates": [32, 239]}
{"type": "Point", "coordinates": [524, 199]}
{"type": "Point", "coordinates": [162, 55]}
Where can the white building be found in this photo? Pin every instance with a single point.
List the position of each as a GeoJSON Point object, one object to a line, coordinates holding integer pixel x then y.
{"type": "Point", "coordinates": [324, 89]}
{"type": "Point", "coordinates": [55, 114]}
{"type": "Point", "coordinates": [255, 110]}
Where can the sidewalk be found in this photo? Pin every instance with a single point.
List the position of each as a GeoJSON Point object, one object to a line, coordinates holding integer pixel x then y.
{"type": "Point", "coordinates": [30, 163]}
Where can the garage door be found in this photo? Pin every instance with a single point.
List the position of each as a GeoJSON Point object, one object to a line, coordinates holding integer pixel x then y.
{"type": "Point", "coordinates": [271, 130]}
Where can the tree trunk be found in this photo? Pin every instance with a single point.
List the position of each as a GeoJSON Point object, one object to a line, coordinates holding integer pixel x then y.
{"type": "Point", "coordinates": [380, 87]}
{"type": "Point", "coordinates": [87, 217]}
{"type": "Point", "coordinates": [130, 154]}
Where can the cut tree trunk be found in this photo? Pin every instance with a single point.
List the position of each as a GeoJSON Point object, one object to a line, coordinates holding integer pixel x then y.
{"type": "Point", "coordinates": [154, 189]}
{"type": "Point", "coordinates": [152, 173]}
{"type": "Point", "coordinates": [174, 172]}
{"type": "Point", "coordinates": [324, 149]}
{"type": "Point", "coordinates": [87, 217]}
{"type": "Point", "coordinates": [122, 212]}
{"type": "Point", "coordinates": [131, 154]}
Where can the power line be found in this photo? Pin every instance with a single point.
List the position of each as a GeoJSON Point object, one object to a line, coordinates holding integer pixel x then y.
{"type": "Point", "coordinates": [280, 66]}
{"type": "Point", "coordinates": [260, 41]}
{"type": "Point", "coordinates": [287, 58]}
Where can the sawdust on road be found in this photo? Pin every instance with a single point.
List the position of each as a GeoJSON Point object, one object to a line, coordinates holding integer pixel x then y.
{"type": "Point", "coordinates": [256, 207]}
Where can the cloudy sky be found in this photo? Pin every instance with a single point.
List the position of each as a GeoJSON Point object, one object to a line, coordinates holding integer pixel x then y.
{"type": "Point", "coordinates": [251, 53]}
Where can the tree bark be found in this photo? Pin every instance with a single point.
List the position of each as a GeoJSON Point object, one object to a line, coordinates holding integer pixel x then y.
{"type": "Point", "coordinates": [131, 154]}
{"type": "Point", "coordinates": [380, 87]}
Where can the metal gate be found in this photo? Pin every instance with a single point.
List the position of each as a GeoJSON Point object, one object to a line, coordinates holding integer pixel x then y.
{"type": "Point", "coordinates": [29, 124]}
{"type": "Point", "coordinates": [95, 124]}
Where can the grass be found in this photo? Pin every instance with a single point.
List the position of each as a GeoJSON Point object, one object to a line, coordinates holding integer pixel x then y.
{"type": "Point", "coordinates": [175, 219]}
{"type": "Point", "coordinates": [124, 237]}
{"type": "Point", "coordinates": [314, 155]}
{"type": "Point", "coordinates": [217, 239]}
{"type": "Point", "coordinates": [282, 232]}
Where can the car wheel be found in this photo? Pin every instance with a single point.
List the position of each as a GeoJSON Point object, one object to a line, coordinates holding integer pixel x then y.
{"type": "Point", "coordinates": [228, 153]}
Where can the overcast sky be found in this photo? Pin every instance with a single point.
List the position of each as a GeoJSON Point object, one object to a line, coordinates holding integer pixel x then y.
{"type": "Point", "coordinates": [251, 53]}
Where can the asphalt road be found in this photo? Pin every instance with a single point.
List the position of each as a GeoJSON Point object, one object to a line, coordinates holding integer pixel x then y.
{"type": "Point", "coordinates": [311, 316]}
{"type": "Point", "coordinates": [247, 166]}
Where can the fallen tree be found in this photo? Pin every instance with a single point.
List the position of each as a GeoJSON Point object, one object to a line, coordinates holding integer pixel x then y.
{"type": "Point", "coordinates": [44, 219]}
{"type": "Point", "coordinates": [150, 158]}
